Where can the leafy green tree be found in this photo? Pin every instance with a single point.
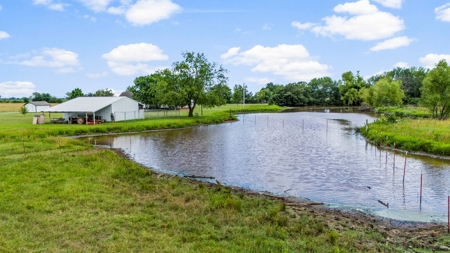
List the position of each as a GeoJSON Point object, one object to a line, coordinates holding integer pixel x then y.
{"type": "Point", "coordinates": [385, 92]}
{"type": "Point", "coordinates": [293, 94]}
{"type": "Point", "coordinates": [23, 110]}
{"type": "Point", "coordinates": [75, 93]}
{"type": "Point", "coordinates": [412, 79]}
{"type": "Point", "coordinates": [42, 97]}
{"type": "Point", "coordinates": [195, 81]}
{"type": "Point", "coordinates": [349, 89]}
{"type": "Point", "coordinates": [324, 91]}
{"type": "Point", "coordinates": [145, 88]}
{"type": "Point", "coordinates": [237, 97]}
{"type": "Point", "coordinates": [103, 93]}
{"type": "Point", "coordinates": [436, 90]}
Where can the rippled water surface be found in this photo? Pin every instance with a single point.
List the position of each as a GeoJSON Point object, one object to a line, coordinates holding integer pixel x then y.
{"type": "Point", "coordinates": [312, 155]}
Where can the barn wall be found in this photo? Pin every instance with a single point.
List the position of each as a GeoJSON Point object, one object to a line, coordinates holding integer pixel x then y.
{"type": "Point", "coordinates": [125, 109]}
{"type": "Point", "coordinates": [31, 108]}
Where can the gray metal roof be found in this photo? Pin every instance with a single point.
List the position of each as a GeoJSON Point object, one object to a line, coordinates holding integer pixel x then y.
{"type": "Point", "coordinates": [85, 104]}
{"type": "Point", "coordinates": [39, 103]}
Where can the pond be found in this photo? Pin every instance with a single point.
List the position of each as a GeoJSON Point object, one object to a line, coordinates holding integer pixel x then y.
{"type": "Point", "coordinates": [318, 156]}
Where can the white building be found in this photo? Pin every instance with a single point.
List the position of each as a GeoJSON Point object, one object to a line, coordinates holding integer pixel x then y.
{"type": "Point", "coordinates": [99, 108]}
{"type": "Point", "coordinates": [37, 106]}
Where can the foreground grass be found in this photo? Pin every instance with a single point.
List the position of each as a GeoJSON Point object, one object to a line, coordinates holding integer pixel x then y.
{"type": "Point", "coordinates": [423, 135]}
{"type": "Point", "coordinates": [61, 195]}
{"type": "Point", "coordinates": [90, 200]}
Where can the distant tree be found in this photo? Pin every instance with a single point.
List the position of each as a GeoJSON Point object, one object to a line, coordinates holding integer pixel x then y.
{"type": "Point", "coordinates": [36, 96]}
{"type": "Point", "coordinates": [412, 79]}
{"type": "Point", "coordinates": [196, 81]}
{"type": "Point", "coordinates": [103, 93]}
{"type": "Point", "coordinates": [147, 89]}
{"type": "Point", "coordinates": [349, 89]}
{"type": "Point", "coordinates": [293, 94]}
{"type": "Point", "coordinates": [324, 91]}
{"type": "Point", "coordinates": [23, 110]}
{"type": "Point", "coordinates": [436, 91]}
{"type": "Point", "coordinates": [385, 92]}
{"type": "Point", "coordinates": [237, 97]}
{"type": "Point", "coordinates": [75, 93]}
{"type": "Point", "coordinates": [26, 100]}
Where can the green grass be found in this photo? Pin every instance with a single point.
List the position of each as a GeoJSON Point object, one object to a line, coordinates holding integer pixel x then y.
{"type": "Point", "coordinates": [423, 135]}
{"type": "Point", "coordinates": [406, 111]}
{"type": "Point", "coordinates": [62, 195]}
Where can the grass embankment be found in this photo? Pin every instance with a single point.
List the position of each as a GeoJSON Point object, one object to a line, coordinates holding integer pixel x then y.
{"type": "Point", "coordinates": [411, 129]}
{"type": "Point", "coordinates": [405, 111]}
{"type": "Point", "coordinates": [63, 195]}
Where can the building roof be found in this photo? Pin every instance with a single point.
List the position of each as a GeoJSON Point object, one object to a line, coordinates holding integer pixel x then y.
{"type": "Point", "coordinates": [85, 104]}
{"type": "Point", "coordinates": [39, 103]}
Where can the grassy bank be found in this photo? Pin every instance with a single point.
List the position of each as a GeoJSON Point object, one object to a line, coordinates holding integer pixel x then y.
{"type": "Point", "coordinates": [421, 135]}
{"type": "Point", "coordinates": [62, 195]}
{"type": "Point", "coordinates": [405, 111]}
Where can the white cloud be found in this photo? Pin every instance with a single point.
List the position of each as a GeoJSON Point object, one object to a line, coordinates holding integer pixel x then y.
{"type": "Point", "coordinates": [116, 10]}
{"type": "Point", "coordinates": [366, 22]}
{"type": "Point", "coordinates": [1, 7]}
{"type": "Point", "coordinates": [301, 26]}
{"type": "Point", "coordinates": [97, 75]}
{"type": "Point", "coordinates": [361, 7]}
{"type": "Point", "coordinates": [267, 27]}
{"type": "Point", "coordinates": [145, 12]}
{"type": "Point", "coordinates": [50, 4]}
{"type": "Point", "coordinates": [257, 80]}
{"type": "Point", "coordinates": [96, 5]}
{"type": "Point", "coordinates": [4, 35]}
{"type": "Point", "coordinates": [63, 61]}
{"type": "Point", "coordinates": [430, 60]}
{"type": "Point", "coordinates": [131, 59]}
{"type": "Point", "coordinates": [17, 89]}
{"type": "Point", "coordinates": [443, 12]}
{"type": "Point", "coordinates": [392, 43]}
{"type": "Point", "coordinates": [93, 19]}
{"type": "Point", "coordinates": [401, 65]}
{"type": "Point", "coordinates": [292, 62]}
{"type": "Point", "coordinates": [396, 4]}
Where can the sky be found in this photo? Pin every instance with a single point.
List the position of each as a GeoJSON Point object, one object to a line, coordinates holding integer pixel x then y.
{"type": "Point", "coordinates": [55, 46]}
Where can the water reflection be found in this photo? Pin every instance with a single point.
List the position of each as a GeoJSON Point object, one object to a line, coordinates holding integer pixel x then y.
{"type": "Point", "coordinates": [315, 155]}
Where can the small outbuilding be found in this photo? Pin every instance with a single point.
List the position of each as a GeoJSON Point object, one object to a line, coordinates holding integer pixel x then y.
{"type": "Point", "coordinates": [37, 106]}
{"type": "Point", "coordinates": [94, 110]}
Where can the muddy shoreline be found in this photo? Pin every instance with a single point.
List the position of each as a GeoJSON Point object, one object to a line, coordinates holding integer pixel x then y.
{"type": "Point", "coordinates": [405, 233]}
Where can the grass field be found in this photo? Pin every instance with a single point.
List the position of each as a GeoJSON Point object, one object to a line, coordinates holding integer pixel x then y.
{"type": "Point", "coordinates": [62, 195]}
{"type": "Point", "coordinates": [406, 111]}
{"type": "Point", "coordinates": [423, 135]}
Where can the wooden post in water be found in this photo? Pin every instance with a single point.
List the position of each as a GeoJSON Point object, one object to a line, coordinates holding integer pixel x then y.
{"type": "Point", "coordinates": [394, 155]}
{"type": "Point", "coordinates": [404, 169]}
{"type": "Point", "coordinates": [421, 190]}
{"type": "Point", "coordinates": [386, 146]}
{"type": "Point", "coordinates": [448, 214]}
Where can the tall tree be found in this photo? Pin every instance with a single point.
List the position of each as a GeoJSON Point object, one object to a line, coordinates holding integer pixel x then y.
{"type": "Point", "coordinates": [196, 81]}
{"type": "Point", "coordinates": [349, 90]}
{"type": "Point", "coordinates": [146, 89]}
{"type": "Point", "coordinates": [385, 92]}
{"type": "Point", "coordinates": [75, 93]}
{"type": "Point", "coordinates": [412, 79]}
{"type": "Point", "coordinates": [436, 90]}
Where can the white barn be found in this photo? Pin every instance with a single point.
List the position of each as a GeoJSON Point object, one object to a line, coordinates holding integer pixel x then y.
{"type": "Point", "coordinates": [37, 106]}
{"type": "Point", "coordinates": [104, 108]}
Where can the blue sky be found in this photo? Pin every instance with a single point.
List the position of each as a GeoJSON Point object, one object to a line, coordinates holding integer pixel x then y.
{"type": "Point", "coordinates": [54, 46]}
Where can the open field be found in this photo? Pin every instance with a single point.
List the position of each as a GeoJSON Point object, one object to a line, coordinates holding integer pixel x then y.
{"type": "Point", "coordinates": [62, 195]}
{"type": "Point", "coordinates": [422, 135]}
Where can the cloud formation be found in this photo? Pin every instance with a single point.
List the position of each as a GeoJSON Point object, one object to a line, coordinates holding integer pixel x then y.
{"type": "Point", "coordinates": [145, 12]}
{"type": "Point", "coordinates": [392, 43]}
{"type": "Point", "coordinates": [292, 62]}
{"type": "Point", "coordinates": [396, 4]}
{"type": "Point", "coordinates": [430, 60]}
{"type": "Point", "coordinates": [50, 4]}
{"type": "Point", "coordinates": [4, 35]}
{"type": "Point", "coordinates": [443, 12]}
{"type": "Point", "coordinates": [63, 61]}
{"type": "Point", "coordinates": [17, 89]}
{"type": "Point", "coordinates": [132, 58]}
{"type": "Point", "coordinates": [366, 22]}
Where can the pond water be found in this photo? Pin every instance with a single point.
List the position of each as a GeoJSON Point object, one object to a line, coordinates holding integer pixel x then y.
{"type": "Point", "coordinates": [317, 156]}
